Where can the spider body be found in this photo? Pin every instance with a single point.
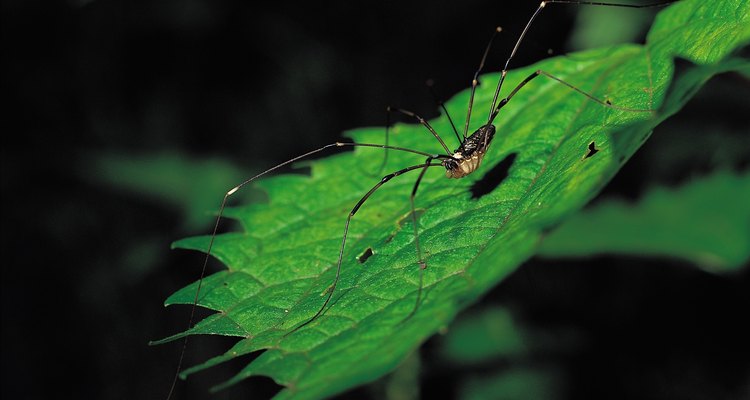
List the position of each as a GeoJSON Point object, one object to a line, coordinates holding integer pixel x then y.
{"type": "Point", "coordinates": [469, 154]}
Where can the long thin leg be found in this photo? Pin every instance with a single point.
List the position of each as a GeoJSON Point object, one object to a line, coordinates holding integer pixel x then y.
{"type": "Point", "coordinates": [539, 72]}
{"type": "Point", "coordinates": [419, 119]}
{"type": "Point", "coordinates": [539, 9]}
{"type": "Point", "coordinates": [387, 139]}
{"type": "Point", "coordinates": [441, 104]}
{"type": "Point", "coordinates": [354, 210]}
{"type": "Point", "coordinates": [424, 123]}
{"type": "Point", "coordinates": [475, 80]}
{"type": "Point", "coordinates": [221, 213]}
{"type": "Point", "coordinates": [422, 263]}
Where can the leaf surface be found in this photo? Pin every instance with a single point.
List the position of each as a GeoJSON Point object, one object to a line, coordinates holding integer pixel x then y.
{"type": "Point", "coordinates": [706, 221]}
{"type": "Point", "coordinates": [280, 264]}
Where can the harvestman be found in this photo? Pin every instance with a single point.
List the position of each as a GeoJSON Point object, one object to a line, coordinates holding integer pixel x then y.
{"type": "Point", "coordinates": [458, 164]}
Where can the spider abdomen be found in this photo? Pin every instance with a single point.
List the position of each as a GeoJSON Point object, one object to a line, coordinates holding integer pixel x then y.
{"type": "Point", "coordinates": [464, 166]}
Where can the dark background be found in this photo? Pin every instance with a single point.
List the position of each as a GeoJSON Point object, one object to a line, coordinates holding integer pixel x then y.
{"type": "Point", "coordinates": [92, 85]}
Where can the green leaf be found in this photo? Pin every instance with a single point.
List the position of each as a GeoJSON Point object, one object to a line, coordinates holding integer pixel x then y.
{"type": "Point", "coordinates": [501, 355]}
{"type": "Point", "coordinates": [492, 336]}
{"type": "Point", "coordinates": [484, 336]}
{"type": "Point", "coordinates": [706, 222]}
{"type": "Point", "coordinates": [279, 266]}
{"type": "Point", "coordinates": [518, 383]}
{"type": "Point", "coordinates": [604, 26]}
{"type": "Point", "coordinates": [166, 177]}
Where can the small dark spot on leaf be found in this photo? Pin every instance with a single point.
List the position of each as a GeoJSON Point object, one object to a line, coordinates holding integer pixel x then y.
{"type": "Point", "coordinates": [403, 220]}
{"type": "Point", "coordinates": [407, 218]}
{"type": "Point", "coordinates": [364, 256]}
{"type": "Point", "coordinates": [493, 178]}
{"type": "Point", "coordinates": [592, 150]}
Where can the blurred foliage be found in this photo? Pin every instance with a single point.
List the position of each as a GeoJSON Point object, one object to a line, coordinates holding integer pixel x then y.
{"type": "Point", "coordinates": [483, 337]}
{"type": "Point", "coordinates": [706, 221]}
{"type": "Point", "coordinates": [518, 383]}
{"type": "Point", "coordinates": [261, 298]}
{"type": "Point", "coordinates": [604, 26]}
{"type": "Point", "coordinates": [403, 383]}
{"type": "Point", "coordinates": [192, 186]}
{"type": "Point", "coordinates": [502, 355]}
